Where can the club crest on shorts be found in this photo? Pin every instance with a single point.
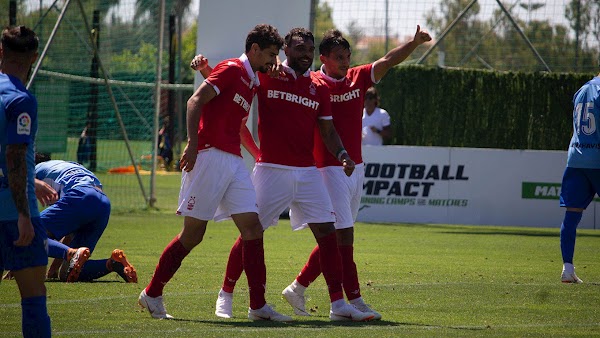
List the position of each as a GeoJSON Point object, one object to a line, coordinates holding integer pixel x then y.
{"type": "Point", "coordinates": [191, 202]}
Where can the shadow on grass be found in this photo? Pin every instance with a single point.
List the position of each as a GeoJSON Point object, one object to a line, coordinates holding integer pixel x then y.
{"type": "Point", "coordinates": [56, 280]}
{"type": "Point", "coordinates": [492, 230]}
{"type": "Point", "coordinates": [312, 324]}
{"type": "Point", "coordinates": [530, 233]}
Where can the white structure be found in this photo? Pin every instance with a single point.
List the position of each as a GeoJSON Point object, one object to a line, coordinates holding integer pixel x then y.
{"type": "Point", "coordinates": [223, 24]}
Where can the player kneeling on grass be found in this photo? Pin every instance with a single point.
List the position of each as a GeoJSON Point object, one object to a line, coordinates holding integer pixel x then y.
{"type": "Point", "coordinates": [77, 214]}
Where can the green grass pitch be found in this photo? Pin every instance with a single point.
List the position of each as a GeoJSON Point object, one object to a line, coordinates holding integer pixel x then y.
{"type": "Point", "coordinates": [426, 280]}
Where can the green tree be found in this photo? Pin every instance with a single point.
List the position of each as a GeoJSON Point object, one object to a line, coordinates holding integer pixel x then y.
{"type": "Point", "coordinates": [188, 51]}
{"type": "Point", "coordinates": [497, 44]}
{"type": "Point", "coordinates": [323, 22]}
{"type": "Point", "coordinates": [463, 35]}
{"type": "Point", "coordinates": [4, 9]}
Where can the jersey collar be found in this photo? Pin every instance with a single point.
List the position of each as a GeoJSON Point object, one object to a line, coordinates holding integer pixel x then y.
{"type": "Point", "coordinates": [253, 78]}
{"type": "Point", "coordinates": [329, 78]}
{"type": "Point", "coordinates": [289, 70]}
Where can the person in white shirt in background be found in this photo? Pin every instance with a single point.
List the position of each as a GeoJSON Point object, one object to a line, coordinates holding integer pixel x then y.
{"type": "Point", "coordinates": [376, 126]}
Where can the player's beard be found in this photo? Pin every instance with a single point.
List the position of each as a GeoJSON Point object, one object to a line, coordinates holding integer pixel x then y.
{"type": "Point", "coordinates": [299, 67]}
{"type": "Point", "coordinates": [265, 68]}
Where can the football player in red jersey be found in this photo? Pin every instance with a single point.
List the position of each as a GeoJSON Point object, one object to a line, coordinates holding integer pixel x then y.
{"type": "Point", "coordinates": [215, 181]}
{"type": "Point", "coordinates": [348, 86]}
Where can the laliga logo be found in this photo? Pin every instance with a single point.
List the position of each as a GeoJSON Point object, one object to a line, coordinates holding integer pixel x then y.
{"type": "Point", "coordinates": [24, 120]}
{"type": "Point", "coordinates": [191, 203]}
{"type": "Point", "coordinates": [23, 124]}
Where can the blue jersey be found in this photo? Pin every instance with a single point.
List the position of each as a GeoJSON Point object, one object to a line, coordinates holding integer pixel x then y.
{"type": "Point", "coordinates": [18, 125]}
{"type": "Point", "coordinates": [584, 150]}
{"type": "Point", "coordinates": [63, 176]}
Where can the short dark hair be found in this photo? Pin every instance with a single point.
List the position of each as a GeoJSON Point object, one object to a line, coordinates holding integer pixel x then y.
{"type": "Point", "coordinates": [42, 157]}
{"type": "Point", "coordinates": [265, 36]}
{"type": "Point", "coordinates": [19, 39]}
{"type": "Point", "coordinates": [331, 39]}
{"type": "Point", "coordinates": [301, 32]}
{"type": "Point", "coordinates": [371, 93]}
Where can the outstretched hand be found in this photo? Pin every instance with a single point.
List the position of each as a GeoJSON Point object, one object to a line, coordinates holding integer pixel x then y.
{"type": "Point", "coordinates": [421, 36]}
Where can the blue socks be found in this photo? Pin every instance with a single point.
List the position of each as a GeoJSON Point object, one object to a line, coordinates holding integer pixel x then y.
{"type": "Point", "coordinates": [56, 249]}
{"type": "Point", "coordinates": [93, 269]}
{"type": "Point", "coordinates": [568, 231]}
{"type": "Point", "coordinates": [35, 321]}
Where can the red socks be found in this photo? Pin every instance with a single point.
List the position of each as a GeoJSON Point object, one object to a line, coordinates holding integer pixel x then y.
{"type": "Point", "coordinates": [169, 262]}
{"type": "Point", "coordinates": [311, 270]}
{"type": "Point", "coordinates": [235, 266]}
{"type": "Point", "coordinates": [331, 265]}
{"type": "Point", "coordinates": [350, 281]}
{"type": "Point", "coordinates": [256, 271]}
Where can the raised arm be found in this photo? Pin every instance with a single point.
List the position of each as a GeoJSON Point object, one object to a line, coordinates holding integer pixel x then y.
{"type": "Point", "coordinates": [332, 141]}
{"type": "Point", "coordinates": [399, 54]}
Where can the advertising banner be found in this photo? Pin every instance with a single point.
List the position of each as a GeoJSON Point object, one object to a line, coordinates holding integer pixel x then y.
{"type": "Point", "coordinates": [464, 186]}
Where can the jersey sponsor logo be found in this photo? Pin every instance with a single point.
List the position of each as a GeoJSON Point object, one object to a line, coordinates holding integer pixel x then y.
{"type": "Point", "coordinates": [23, 124]}
{"type": "Point", "coordinates": [277, 94]}
{"type": "Point", "coordinates": [241, 101]}
{"type": "Point", "coordinates": [191, 203]}
{"type": "Point", "coordinates": [351, 95]}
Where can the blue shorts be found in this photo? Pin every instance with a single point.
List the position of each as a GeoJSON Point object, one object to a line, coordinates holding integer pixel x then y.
{"type": "Point", "coordinates": [20, 257]}
{"type": "Point", "coordinates": [579, 186]}
{"type": "Point", "coordinates": [83, 211]}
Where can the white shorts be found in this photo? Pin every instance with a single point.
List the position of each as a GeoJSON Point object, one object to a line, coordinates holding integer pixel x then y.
{"type": "Point", "coordinates": [219, 181]}
{"type": "Point", "coordinates": [302, 190]}
{"type": "Point", "coordinates": [345, 193]}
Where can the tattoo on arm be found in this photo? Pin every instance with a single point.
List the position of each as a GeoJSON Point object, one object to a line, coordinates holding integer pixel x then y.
{"type": "Point", "coordinates": [17, 176]}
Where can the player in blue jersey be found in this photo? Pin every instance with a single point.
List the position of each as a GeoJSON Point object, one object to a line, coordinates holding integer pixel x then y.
{"type": "Point", "coordinates": [581, 179]}
{"type": "Point", "coordinates": [22, 237]}
{"type": "Point", "coordinates": [80, 214]}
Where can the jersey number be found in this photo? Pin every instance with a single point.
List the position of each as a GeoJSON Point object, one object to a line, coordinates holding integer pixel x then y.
{"type": "Point", "coordinates": [585, 121]}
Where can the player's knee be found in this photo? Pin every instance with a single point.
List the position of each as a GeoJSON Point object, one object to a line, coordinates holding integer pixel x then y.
{"type": "Point", "coordinates": [252, 231]}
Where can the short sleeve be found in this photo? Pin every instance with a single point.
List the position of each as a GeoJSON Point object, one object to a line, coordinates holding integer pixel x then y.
{"type": "Point", "coordinates": [21, 114]}
{"type": "Point", "coordinates": [385, 118]}
{"type": "Point", "coordinates": [222, 75]}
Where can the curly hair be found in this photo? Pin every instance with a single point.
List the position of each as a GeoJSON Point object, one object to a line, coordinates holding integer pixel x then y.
{"type": "Point", "coordinates": [301, 32]}
{"type": "Point", "coordinates": [265, 36]}
{"type": "Point", "coordinates": [331, 39]}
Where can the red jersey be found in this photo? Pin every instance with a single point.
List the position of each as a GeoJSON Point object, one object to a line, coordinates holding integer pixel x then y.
{"type": "Point", "coordinates": [347, 101]}
{"type": "Point", "coordinates": [221, 118]}
{"type": "Point", "coordinates": [288, 111]}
